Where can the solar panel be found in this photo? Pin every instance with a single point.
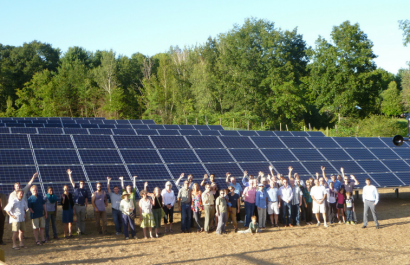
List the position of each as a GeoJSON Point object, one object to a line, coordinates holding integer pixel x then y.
{"type": "Point", "coordinates": [93, 141]}
{"type": "Point", "coordinates": [106, 126]}
{"type": "Point", "coordinates": [67, 121]}
{"type": "Point", "coordinates": [34, 125]}
{"type": "Point", "coordinates": [2, 125]}
{"type": "Point", "coordinates": [13, 125]}
{"type": "Point", "coordinates": [350, 167]}
{"type": "Point", "coordinates": [268, 142]}
{"type": "Point", "coordinates": [300, 133]}
{"type": "Point", "coordinates": [323, 142]}
{"type": "Point", "coordinates": [403, 153]}
{"type": "Point", "coordinates": [204, 142]}
{"type": "Point", "coordinates": [4, 130]}
{"type": "Point", "coordinates": [147, 132]}
{"type": "Point", "coordinates": [386, 179]}
{"type": "Point", "coordinates": [24, 130]}
{"type": "Point", "coordinates": [296, 142]}
{"type": "Point", "coordinates": [266, 133]}
{"type": "Point", "coordinates": [141, 156]}
{"type": "Point", "coordinates": [373, 166]}
{"type": "Point", "coordinates": [214, 155]}
{"type": "Point", "coordinates": [384, 153]}
{"type": "Point", "coordinates": [135, 121]}
{"type": "Point", "coordinates": [75, 131]}
{"type": "Point", "coordinates": [248, 133]}
{"type": "Point", "coordinates": [247, 155]}
{"type": "Point", "coordinates": [216, 127]}
{"type": "Point", "coordinates": [278, 155]}
{"type": "Point", "coordinates": [100, 157]}
{"type": "Point", "coordinates": [170, 142]}
{"type": "Point", "coordinates": [156, 127]}
{"type": "Point", "coordinates": [219, 170]}
{"type": "Point", "coordinates": [171, 127]}
{"type": "Point", "coordinates": [133, 142]}
{"type": "Point", "coordinates": [397, 165]}
{"type": "Point", "coordinates": [11, 175]}
{"type": "Point", "coordinates": [13, 141]}
{"type": "Point", "coordinates": [122, 122]}
{"type": "Point", "coordinates": [140, 126]}
{"type": "Point", "coordinates": [69, 125]}
{"type": "Point", "coordinates": [100, 172]}
{"type": "Point", "coordinates": [122, 126]}
{"type": "Point", "coordinates": [50, 131]}
{"type": "Point", "coordinates": [51, 141]}
{"type": "Point", "coordinates": [83, 122]}
{"type": "Point", "coordinates": [110, 122]}
{"type": "Point", "coordinates": [283, 168]}
{"type": "Point", "coordinates": [359, 154]}
{"type": "Point", "coordinates": [179, 156]}
{"type": "Point", "coordinates": [316, 134]}
{"type": "Point", "coordinates": [99, 122]}
{"type": "Point", "coordinates": [335, 154]}
{"type": "Point", "coordinates": [254, 168]}
{"type": "Point", "coordinates": [189, 132]}
{"type": "Point", "coordinates": [229, 133]}
{"type": "Point", "coordinates": [148, 122]}
{"type": "Point", "coordinates": [209, 132]}
{"type": "Point", "coordinates": [56, 157]}
{"type": "Point", "coordinates": [89, 126]}
{"type": "Point", "coordinates": [100, 131]}
{"type": "Point", "coordinates": [371, 142]}
{"type": "Point", "coordinates": [389, 142]}
{"type": "Point", "coordinates": [235, 142]}
{"type": "Point", "coordinates": [16, 157]}
{"type": "Point", "coordinates": [283, 133]}
{"type": "Point", "coordinates": [201, 127]}
{"type": "Point", "coordinates": [308, 154]}
{"type": "Point", "coordinates": [197, 171]}
{"type": "Point", "coordinates": [314, 167]}
{"type": "Point", "coordinates": [146, 172]}
{"type": "Point", "coordinates": [187, 127]}
{"type": "Point", "coordinates": [168, 132]}
{"type": "Point", "coordinates": [348, 142]}
{"type": "Point", "coordinates": [405, 177]}
{"type": "Point", "coordinates": [124, 132]}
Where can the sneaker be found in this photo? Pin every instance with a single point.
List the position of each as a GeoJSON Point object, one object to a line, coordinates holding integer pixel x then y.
{"type": "Point", "coordinates": [241, 222]}
{"type": "Point", "coordinates": [318, 223]}
{"type": "Point", "coordinates": [127, 238]}
{"type": "Point", "coordinates": [117, 233]}
{"type": "Point", "coordinates": [326, 225]}
{"type": "Point", "coordinates": [340, 222]}
{"type": "Point", "coordinates": [352, 223]}
{"type": "Point", "coordinates": [348, 223]}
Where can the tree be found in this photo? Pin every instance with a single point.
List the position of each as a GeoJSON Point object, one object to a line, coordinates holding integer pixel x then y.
{"type": "Point", "coordinates": [391, 104]}
{"type": "Point", "coordinates": [405, 26]}
{"type": "Point", "coordinates": [405, 89]}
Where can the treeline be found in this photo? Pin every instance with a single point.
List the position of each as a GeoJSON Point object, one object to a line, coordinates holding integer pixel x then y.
{"type": "Point", "coordinates": [254, 73]}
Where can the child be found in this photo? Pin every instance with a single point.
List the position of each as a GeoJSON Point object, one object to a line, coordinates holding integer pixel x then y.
{"type": "Point", "coordinates": [146, 216]}
{"type": "Point", "coordinates": [340, 204]}
{"type": "Point", "coordinates": [253, 227]}
{"type": "Point", "coordinates": [127, 207]}
{"type": "Point", "coordinates": [349, 208]}
{"type": "Point", "coordinates": [260, 202]}
{"type": "Point", "coordinates": [16, 210]}
{"type": "Point", "coordinates": [221, 212]}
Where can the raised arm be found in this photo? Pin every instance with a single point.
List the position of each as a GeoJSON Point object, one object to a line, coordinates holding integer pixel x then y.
{"type": "Point", "coordinates": [179, 179]}
{"type": "Point", "coordinates": [317, 175]}
{"type": "Point", "coordinates": [145, 188]}
{"type": "Point", "coordinates": [356, 182]}
{"type": "Point", "coordinates": [122, 182]}
{"type": "Point", "coordinates": [227, 178]}
{"type": "Point", "coordinates": [244, 182]}
{"type": "Point", "coordinates": [290, 172]}
{"type": "Point", "coordinates": [69, 172]}
{"type": "Point", "coordinates": [203, 181]}
{"type": "Point", "coordinates": [108, 185]}
{"type": "Point", "coordinates": [343, 172]}
{"type": "Point", "coordinates": [323, 172]}
{"type": "Point", "coordinates": [134, 182]}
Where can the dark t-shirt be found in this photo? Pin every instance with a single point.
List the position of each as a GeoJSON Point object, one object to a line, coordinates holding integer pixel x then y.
{"type": "Point", "coordinates": [80, 195]}
{"type": "Point", "coordinates": [158, 202]}
{"type": "Point", "coordinates": [349, 203]}
{"type": "Point", "coordinates": [233, 199]}
{"type": "Point", "coordinates": [36, 204]}
{"type": "Point", "coordinates": [349, 187]}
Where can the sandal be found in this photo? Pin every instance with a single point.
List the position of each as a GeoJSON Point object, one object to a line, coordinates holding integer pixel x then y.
{"type": "Point", "coordinates": [171, 231]}
{"type": "Point", "coordinates": [16, 248]}
{"type": "Point", "coordinates": [38, 243]}
{"type": "Point", "coordinates": [22, 247]}
{"type": "Point", "coordinates": [45, 241]}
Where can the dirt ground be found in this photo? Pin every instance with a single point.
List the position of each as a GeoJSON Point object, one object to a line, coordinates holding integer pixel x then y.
{"type": "Point", "coordinates": [338, 244]}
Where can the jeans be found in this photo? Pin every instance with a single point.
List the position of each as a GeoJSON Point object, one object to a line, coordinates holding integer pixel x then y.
{"type": "Point", "coordinates": [333, 212]}
{"type": "Point", "coordinates": [296, 214]}
{"type": "Point", "coordinates": [51, 217]}
{"type": "Point", "coordinates": [117, 216]}
{"type": "Point", "coordinates": [249, 208]}
{"type": "Point", "coordinates": [80, 212]}
{"type": "Point", "coordinates": [367, 205]}
{"type": "Point", "coordinates": [286, 209]}
{"type": "Point", "coordinates": [197, 216]}
{"type": "Point", "coordinates": [349, 215]}
{"type": "Point", "coordinates": [185, 216]}
{"type": "Point", "coordinates": [126, 220]}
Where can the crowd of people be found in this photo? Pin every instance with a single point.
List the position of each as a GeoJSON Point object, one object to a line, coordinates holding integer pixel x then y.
{"type": "Point", "coordinates": [285, 199]}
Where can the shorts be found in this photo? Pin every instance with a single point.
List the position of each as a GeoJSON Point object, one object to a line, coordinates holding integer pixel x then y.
{"type": "Point", "coordinates": [318, 208]}
{"type": "Point", "coordinates": [18, 226]}
{"type": "Point", "coordinates": [38, 223]}
{"type": "Point", "coordinates": [273, 208]}
{"type": "Point", "coordinates": [340, 206]}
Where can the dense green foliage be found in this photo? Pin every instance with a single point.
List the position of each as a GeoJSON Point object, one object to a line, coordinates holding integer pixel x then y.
{"type": "Point", "coordinates": [255, 74]}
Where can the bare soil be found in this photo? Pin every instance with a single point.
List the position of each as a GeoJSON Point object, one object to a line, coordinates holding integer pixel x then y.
{"type": "Point", "coordinates": [338, 244]}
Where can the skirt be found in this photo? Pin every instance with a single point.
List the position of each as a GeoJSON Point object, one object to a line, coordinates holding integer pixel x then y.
{"type": "Point", "coordinates": [147, 220]}
{"type": "Point", "coordinates": [68, 216]}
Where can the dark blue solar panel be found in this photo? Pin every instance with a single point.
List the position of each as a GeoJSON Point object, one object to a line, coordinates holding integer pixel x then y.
{"type": "Point", "coordinates": [197, 171]}
{"type": "Point", "coordinates": [371, 142]}
{"type": "Point", "coordinates": [201, 127]}
{"type": "Point", "coordinates": [348, 142]}
{"type": "Point", "coordinates": [235, 142]}
{"type": "Point", "coordinates": [298, 133]}
{"type": "Point", "coordinates": [133, 142]}
{"type": "Point", "coordinates": [69, 125]}
{"type": "Point", "coordinates": [100, 172]}
{"type": "Point", "coordinates": [2, 125]}
{"type": "Point", "coordinates": [68, 122]}
{"type": "Point", "coordinates": [170, 142]}
{"type": "Point", "coordinates": [140, 126]}
{"type": "Point", "coordinates": [24, 130]}
{"type": "Point", "coordinates": [93, 141]}
{"type": "Point", "coordinates": [403, 153]}
{"type": "Point", "coordinates": [56, 157]}
{"type": "Point", "coordinates": [386, 180]}
{"type": "Point", "coordinates": [156, 127]}
{"type": "Point", "coordinates": [405, 177]}
{"type": "Point", "coordinates": [141, 156]}
{"type": "Point", "coordinates": [296, 142]}
{"type": "Point", "coordinates": [219, 170]}
{"type": "Point", "coordinates": [149, 172]}
{"type": "Point", "coordinates": [168, 132]}
{"type": "Point", "coordinates": [135, 121]}
{"type": "Point", "coordinates": [359, 154]}
{"type": "Point", "coordinates": [278, 154]}
{"type": "Point", "coordinates": [308, 154]}
{"type": "Point", "coordinates": [248, 133]}
{"type": "Point", "coordinates": [51, 141]}
{"type": "Point", "coordinates": [83, 122]}
{"type": "Point", "coordinates": [316, 134]}
{"type": "Point", "coordinates": [323, 142]}
{"type": "Point", "coordinates": [373, 166]}
{"type": "Point", "coordinates": [189, 132]}
{"type": "Point", "coordinates": [23, 175]}
{"type": "Point", "coordinates": [384, 153]}
{"type": "Point", "coordinates": [100, 157]}
{"type": "Point", "coordinates": [106, 126]}
{"type": "Point", "coordinates": [266, 133]}
{"type": "Point", "coordinates": [335, 154]}
{"type": "Point", "coordinates": [89, 126]}
{"type": "Point", "coordinates": [283, 133]}
{"type": "Point", "coordinates": [50, 131]}
{"type": "Point", "coordinates": [18, 125]}
{"type": "Point", "coordinates": [214, 155]}
{"type": "Point", "coordinates": [229, 133]}
{"type": "Point", "coordinates": [124, 131]}
{"type": "Point", "coordinates": [267, 142]}
{"type": "Point", "coordinates": [350, 167]}
{"type": "Point", "coordinates": [75, 131]}
{"type": "Point", "coordinates": [216, 127]}
{"type": "Point", "coordinates": [209, 132]}
{"type": "Point", "coordinates": [179, 156]}
{"type": "Point", "coordinates": [171, 127]}
{"type": "Point", "coordinates": [23, 121]}
{"type": "Point", "coordinates": [283, 168]}
{"type": "Point", "coordinates": [254, 168]}
{"type": "Point", "coordinates": [314, 167]}
{"type": "Point", "coordinates": [34, 125]}
{"type": "Point", "coordinates": [122, 126]}
{"type": "Point", "coordinates": [122, 122]}
{"type": "Point", "coordinates": [99, 122]}
{"type": "Point", "coordinates": [109, 122]}
{"type": "Point", "coordinates": [6, 189]}
{"type": "Point", "coordinates": [187, 127]}
{"type": "Point", "coordinates": [16, 157]}
{"type": "Point", "coordinates": [248, 155]}
{"type": "Point", "coordinates": [389, 142]}
{"type": "Point", "coordinates": [100, 131]}
{"type": "Point", "coordinates": [57, 121]}
{"type": "Point", "coordinates": [148, 121]}
{"type": "Point", "coordinates": [397, 165]}
{"type": "Point", "coordinates": [147, 132]}
{"type": "Point", "coordinates": [4, 130]}
{"type": "Point", "coordinates": [204, 142]}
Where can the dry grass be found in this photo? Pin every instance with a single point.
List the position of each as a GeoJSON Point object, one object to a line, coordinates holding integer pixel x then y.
{"type": "Point", "coordinates": [300, 245]}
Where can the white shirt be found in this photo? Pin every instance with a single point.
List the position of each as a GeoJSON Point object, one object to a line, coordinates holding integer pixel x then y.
{"type": "Point", "coordinates": [318, 192]}
{"type": "Point", "coordinates": [331, 195]}
{"type": "Point", "coordinates": [168, 197]}
{"type": "Point", "coordinates": [18, 209]}
{"type": "Point", "coordinates": [370, 193]}
{"type": "Point", "coordinates": [286, 194]}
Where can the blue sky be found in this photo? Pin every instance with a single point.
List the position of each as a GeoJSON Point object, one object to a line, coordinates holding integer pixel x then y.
{"type": "Point", "coordinates": [151, 27]}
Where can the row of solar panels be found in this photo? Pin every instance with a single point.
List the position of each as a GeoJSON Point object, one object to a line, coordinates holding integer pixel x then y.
{"type": "Point", "coordinates": [11, 121]}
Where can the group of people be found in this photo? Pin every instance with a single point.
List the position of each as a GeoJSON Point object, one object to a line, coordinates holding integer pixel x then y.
{"type": "Point", "coordinates": [282, 199]}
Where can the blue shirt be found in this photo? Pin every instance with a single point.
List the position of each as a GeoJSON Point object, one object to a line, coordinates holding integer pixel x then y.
{"type": "Point", "coordinates": [36, 204]}
{"type": "Point", "coordinates": [80, 195]}
{"type": "Point", "coordinates": [336, 185]}
{"type": "Point", "coordinates": [260, 199]}
{"type": "Point", "coordinates": [237, 186]}
{"type": "Point", "coordinates": [273, 194]}
{"type": "Point", "coordinates": [245, 183]}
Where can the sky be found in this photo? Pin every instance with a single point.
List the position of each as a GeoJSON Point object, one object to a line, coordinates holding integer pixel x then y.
{"type": "Point", "coordinates": [151, 27]}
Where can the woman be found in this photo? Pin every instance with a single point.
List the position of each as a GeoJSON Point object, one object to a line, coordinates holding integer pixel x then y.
{"type": "Point", "coordinates": [146, 216]}
{"type": "Point", "coordinates": [249, 195]}
{"type": "Point", "coordinates": [68, 204]}
{"type": "Point", "coordinates": [307, 201]}
{"type": "Point", "coordinates": [215, 193]}
{"type": "Point", "coordinates": [209, 204]}
{"type": "Point", "coordinates": [168, 201]}
{"type": "Point", "coordinates": [157, 209]}
{"type": "Point", "coordinates": [127, 207]}
{"type": "Point", "coordinates": [51, 207]}
{"type": "Point", "coordinates": [196, 206]}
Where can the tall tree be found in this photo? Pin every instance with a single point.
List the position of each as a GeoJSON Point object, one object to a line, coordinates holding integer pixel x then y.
{"type": "Point", "coordinates": [405, 26]}
{"type": "Point", "coordinates": [391, 104]}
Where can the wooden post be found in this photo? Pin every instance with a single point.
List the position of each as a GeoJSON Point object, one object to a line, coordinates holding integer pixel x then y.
{"type": "Point", "coordinates": [233, 123]}
{"type": "Point", "coordinates": [248, 125]}
{"type": "Point", "coordinates": [310, 128]}
{"type": "Point", "coordinates": [206, 120]}
{"type": "Point", "coordinates": [327, 131]}
{"type": "Point", "coordinates": [220, 121]}
{"type": "Point", "coordinates": [339, 116]}
{"type": "Point", "coordinates": [336, 129]}
{"type": "Point", "coordinates": [186, 121]}
{"type": "Point", "coordinates": [304, 128]}
{"type": "Point", "coordinates": [357, 131]}
{"type": "Point", "coordinates": [196, 121]}
{"type": "Point", "coordinates": [287, 127]}
{"type": "Point", "coordinates": [280, 127]}
{"type": "Point", "coordinates": [261, 126]}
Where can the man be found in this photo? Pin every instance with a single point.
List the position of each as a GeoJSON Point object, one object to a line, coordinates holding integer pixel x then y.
{"type": "Point", "coordinates": [336, 183]}
{"type": "Point", "coordinates": [208, 201]}
{"type": "Point", "coordinates": [17, 187]}
{"type": "Point", "coordinates": [184, 203]}
{"type": "Point", "coordinates": [296, 176]}
{"type": "Point", "coordinates": [273, 202]}
{"type": "Point", "coordinates": [238, 190]}
{"type": "Point", "coordinates": [349, 186]}
{"type": "Point", "coordinates": [115, 204]}
{"type": "Point", "coordinates": [370, 200]}
{"type": "Point", "coordinates": [234, 199]}
{"type": "Point", "coordinates": [3, 214]}
{"type": "Point", "coordinates": [296, 201]}
{"type": "Point", "coordinates": [80, 203]}
{"type": "Point", "coordinates": [16, 210]}
{"type": "Point", "coordinates": [99, 202]}
{"type": "Point", "coordinates": [318, 194]}
{"type": "Point", "coordinates": [286, 194]}
{"type": "Point", "coordinates": [206, 180]}
{"type": "Point", "coordinates": [190, 180]}
{"type": "Point", "coordinates": [38, 214]}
